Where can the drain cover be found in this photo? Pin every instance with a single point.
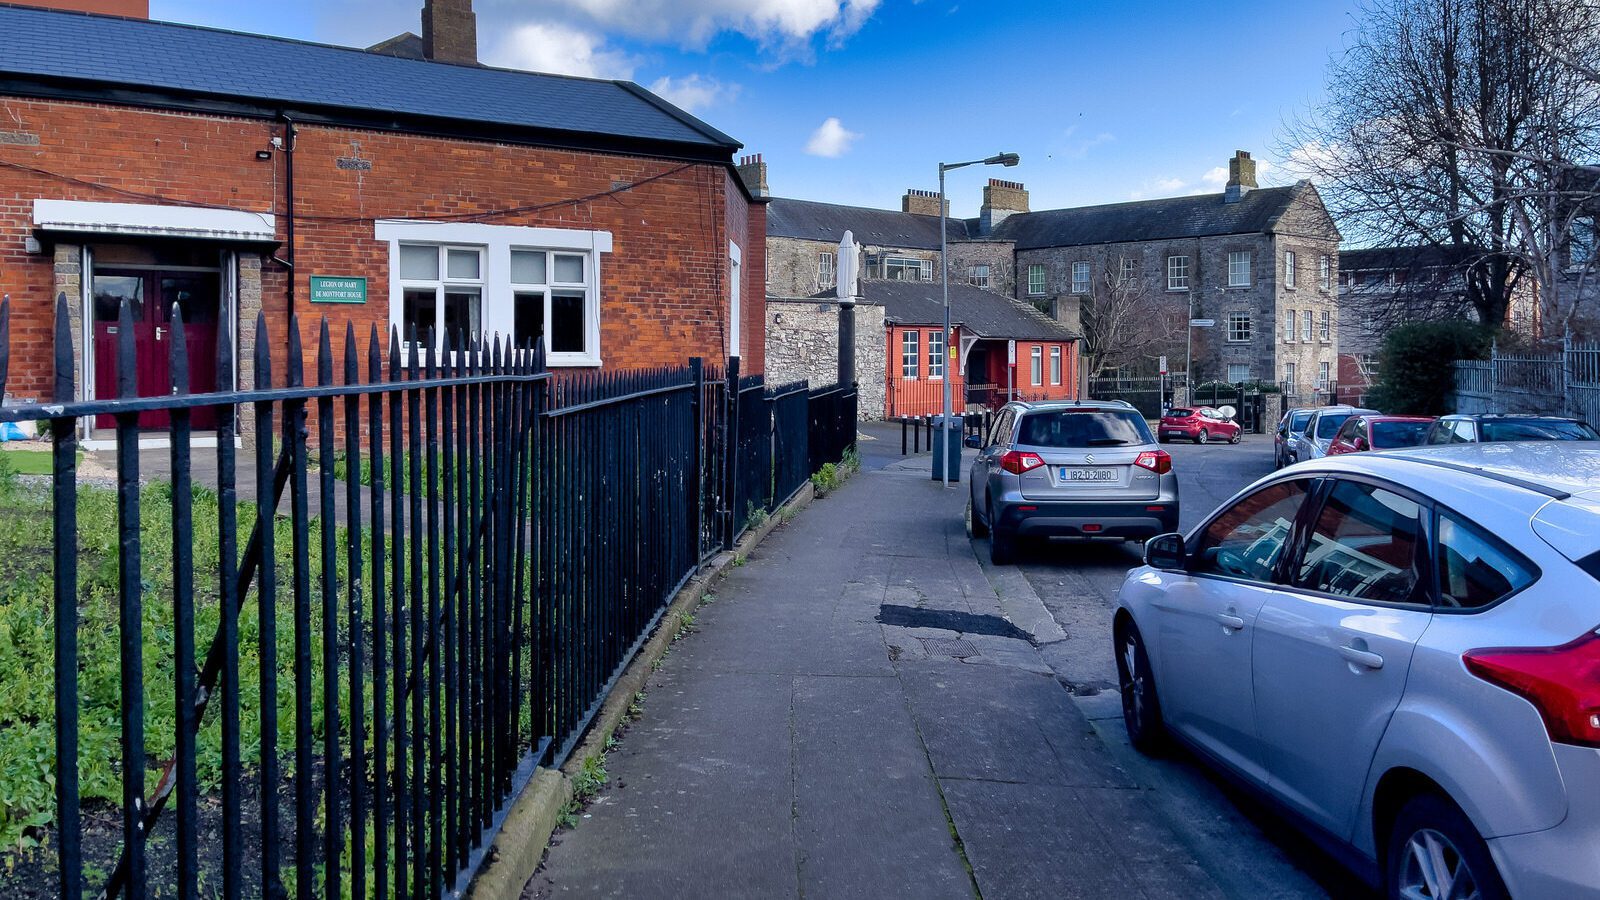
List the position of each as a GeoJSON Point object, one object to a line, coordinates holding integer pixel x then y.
{"type": "Point", "coordinates": [956, 647]}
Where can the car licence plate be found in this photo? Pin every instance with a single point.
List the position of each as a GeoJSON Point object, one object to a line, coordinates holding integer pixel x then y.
{"type": "Point", "coordinates": [1088, 474]}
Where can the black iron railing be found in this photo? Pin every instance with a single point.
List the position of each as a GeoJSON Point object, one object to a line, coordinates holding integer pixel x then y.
{"type": "Point", "coordinates": [474, 548]}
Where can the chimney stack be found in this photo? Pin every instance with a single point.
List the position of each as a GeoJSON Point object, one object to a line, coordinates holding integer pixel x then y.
{"type": "Point", "coordinates": [1241, 176]}
{"type": "Point", "coordinates": [923, 203]}
{"type": "Point", "coordinates": [450, 31]}
{"type": "Point", "coordinates": [1001, 200]}
{"type": "Point", "coordinates": [753, 172]}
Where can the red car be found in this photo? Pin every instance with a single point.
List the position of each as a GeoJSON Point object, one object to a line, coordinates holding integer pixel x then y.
{"type": "Point", "coordinates": [1361, 433]}
{"type": "Point", "coordinates": [1200, 424]}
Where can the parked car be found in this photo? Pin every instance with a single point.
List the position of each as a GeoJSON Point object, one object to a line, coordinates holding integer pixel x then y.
{"type": "Point", "coordinates": [1320, 429]}
{"type": "Point", "coordinates": [1201, 424]}
{"type": "Point", "coordinates": [1290, 427]}
{"type": "Point", "coordinates": [1471, 429]}
{"type": "Point", "coordinates": [1361, 433]}
{"type": "Point", "coordinates": [1080, 470]}
{"type": "Point", "coordinates": [1399, 649]}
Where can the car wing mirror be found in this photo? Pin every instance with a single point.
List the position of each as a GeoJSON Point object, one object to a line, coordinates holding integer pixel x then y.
{"type": "Point", "coordinates": [973, 441]}
{"type": "Point", "coordinates": [1166, 551]}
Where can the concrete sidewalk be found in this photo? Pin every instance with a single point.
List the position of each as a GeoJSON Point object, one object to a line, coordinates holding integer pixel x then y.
{"type": "Point", "coordinates": [864, 711]}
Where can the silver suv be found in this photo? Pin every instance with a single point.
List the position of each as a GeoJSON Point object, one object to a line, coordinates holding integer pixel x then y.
{"type": "Point", "coordinates": [1080, 470]}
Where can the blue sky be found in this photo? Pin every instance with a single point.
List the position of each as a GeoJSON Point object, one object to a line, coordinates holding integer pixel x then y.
{"type": "Point", "coordinates": [854, 101]}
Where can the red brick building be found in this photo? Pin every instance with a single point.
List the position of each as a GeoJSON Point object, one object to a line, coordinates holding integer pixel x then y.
{"type": "Point", "coordinates": [980, 369]}
{"type": "Point", "coordinates": [230, 174]}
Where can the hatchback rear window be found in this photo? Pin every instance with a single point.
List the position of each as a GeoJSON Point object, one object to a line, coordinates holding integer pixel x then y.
{"type": "Point", "coordinates": [1083, 429]}
{"type": "Point", "coordinates": [1180, 413]}
{"type": "Point", "coordinates": [1537, 430]}
{"type": "Point", "coordinates": [1297, 422]}
{"type": "Point", "coordinates": [1389, 435]}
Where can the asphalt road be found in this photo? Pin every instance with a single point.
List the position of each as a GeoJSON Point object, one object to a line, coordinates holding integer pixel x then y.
{"type": "Point", "coordinates": [1246, 846]}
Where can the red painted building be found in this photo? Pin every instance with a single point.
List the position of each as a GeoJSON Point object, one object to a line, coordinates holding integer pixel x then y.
{"type": "Point", "coordinates": [980, 368]}
{"type": "Point", "coordinates": [275, 176]}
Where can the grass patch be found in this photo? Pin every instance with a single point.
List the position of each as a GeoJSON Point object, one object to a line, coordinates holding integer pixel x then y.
{"type": "Point", "coordinates": [28, 462]}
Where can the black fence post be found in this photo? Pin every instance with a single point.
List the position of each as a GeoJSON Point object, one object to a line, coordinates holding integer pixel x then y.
{"type": "Point", "coordinates": [697, 450]}
{"type": "Point", "coordinates": [730, 466]}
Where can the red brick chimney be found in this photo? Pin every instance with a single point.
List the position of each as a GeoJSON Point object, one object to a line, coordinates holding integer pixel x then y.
{"type": "Point", "coordinates": [133, 9]}
{"type": "Point", "coordinates": [450, 31]}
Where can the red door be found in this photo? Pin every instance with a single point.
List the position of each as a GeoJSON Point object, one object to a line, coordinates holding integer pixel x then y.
{"type": "Point", "coordinates": [152, 295]}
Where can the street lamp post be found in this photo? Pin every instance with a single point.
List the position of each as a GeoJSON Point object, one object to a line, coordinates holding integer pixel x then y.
{"type": "Point", "coordinates": [999, 159]}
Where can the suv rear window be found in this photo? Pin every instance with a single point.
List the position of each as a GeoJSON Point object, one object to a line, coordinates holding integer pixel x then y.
{"type": "Point", "coordinates": [1070, 428]}
{"type": "Point", "coordinates": [1537, 430]}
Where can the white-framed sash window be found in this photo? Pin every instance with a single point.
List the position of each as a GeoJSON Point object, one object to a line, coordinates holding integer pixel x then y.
{"type": "Point", "coordinates": [506, 281]}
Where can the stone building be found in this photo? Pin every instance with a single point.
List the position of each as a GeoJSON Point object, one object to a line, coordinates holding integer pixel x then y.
{"type": "Point", "coordinates": [1262, 263]}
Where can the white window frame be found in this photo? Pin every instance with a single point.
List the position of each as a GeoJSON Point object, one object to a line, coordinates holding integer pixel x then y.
{"type": "Point", "coordinates": [1291, 376]}
{"type": "Point", "coordinates": [1177, 273]}
{"type": "Point", "coordinates": [498, 307]}
{"type": "Point", "coordinates": [1231, 372]}
{"type": "Point", "coordinates": [936, 355]}
{"type": "Point", "coordinates": [1325, 327]}
{"type": "Point", "coordinates": [1129, 270]}
{"type": "Point", "coordinates": [1367, 363]}
{"type": "Point", "coordinates": [1036, 280]}
{"type": "Point", "coordinates": [1239, 328]}
{"type": "Point", "coordinates": [735, 296]}
{"type": "Point", "coordinates": [1055, 365]}
{"type": "Point", "coordinates": [440, 286]}
{"type": "Point", "coordinates": [1239, 263]}
{"type": "Point", "coordinates": [1036, 364]}
{"type": "Point", "coordinates": [1306, 324]}
{"type": "Point", "coordinates": [1324, 272]}
{"type": "Point", "coordinates": [978, 275]}
{"type": "Point", "coordinates": [1290, 321]}
{"type": "Point", "coordinates": [910, 354]}
{"type": "Point", "coordinates": [1581, 241]}
{"type": "Point", "coordinates": [1080, 285]}
{"type": "Point", "coordinates": [1289, 273]}
{"type": "Point", "coordinates": [1324, 374]}
{"type": "Point", "coordinates": [827, 271]}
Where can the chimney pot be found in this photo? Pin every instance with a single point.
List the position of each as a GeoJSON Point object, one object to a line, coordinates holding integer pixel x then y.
{"type": "Point", "coordinates": [922, 203]}
{"type": "Point", "coordinates": [1001, 200]}
{"type": "Point", "coordinates": [753, 172]}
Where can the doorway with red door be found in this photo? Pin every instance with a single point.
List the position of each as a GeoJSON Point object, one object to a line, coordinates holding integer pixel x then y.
{"type": "Point", "coordinates": [153, 284]}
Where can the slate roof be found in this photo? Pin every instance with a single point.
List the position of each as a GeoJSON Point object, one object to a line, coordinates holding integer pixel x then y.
{"type": "Point", "coordinates": [984, 313]}
{"type": "Point", "coordinates": [51, 53]}
{"type": "Point", "coordinates": [813, 221]}
{"type": "Point", "coordinates": [1204, 215]}
{"type": "Point", "coordinates": [1392, 259]}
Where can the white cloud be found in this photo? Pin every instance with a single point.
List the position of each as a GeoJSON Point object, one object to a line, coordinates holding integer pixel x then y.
{"type": "Point", "coordinates": [1170, 184]}
{"type": "Point", "coordinates": [831, 139]}
{"type": "Point", "coordinates": [695, 22]}
{"type": "Point", "coordinates": [694, 92]}
{"type": "Point", "coordinates": [559, 49]}
{"type": "Point", "coordinates": [1217, 176]}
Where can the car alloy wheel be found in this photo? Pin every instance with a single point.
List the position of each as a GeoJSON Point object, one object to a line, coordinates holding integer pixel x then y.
{"type": "Point", "coordinates": [1141, 709]}
{"type": "Point", "coordinates": [1435, 853]}
{"type": "Point", "coordinates": [1202, 437]}
{"type": "Point", "coordinates": [1433, 868]}
{"type": "Point", "coordinates": [1237, 437]}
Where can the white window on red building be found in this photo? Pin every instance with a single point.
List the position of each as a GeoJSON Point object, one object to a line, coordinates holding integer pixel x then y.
{"type": "Point", "coordinates": [1037, 365]}
{"type": "Point", "coordinates": [1055, 365]}
{"type": "Point", "coordinates": [910, 354]}
{"type": "Point", "coordinates": [936, 354]}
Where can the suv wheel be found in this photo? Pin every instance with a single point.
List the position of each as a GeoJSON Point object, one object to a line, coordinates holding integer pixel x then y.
{"type": "Point", "coordinates": [1141, 709]}
{"type": "Point", "coordinates": [975, 528]}
{"type": "Point", "coordinates": [1435, 852]}
{"type": "Point", "coordinates": [1202, 437]}
{"type": "Point", "coordinates": [1002, 546]}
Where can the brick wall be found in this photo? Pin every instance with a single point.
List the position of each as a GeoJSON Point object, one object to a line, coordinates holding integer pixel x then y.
{"type": "Point", "coordinates": [663, 289]}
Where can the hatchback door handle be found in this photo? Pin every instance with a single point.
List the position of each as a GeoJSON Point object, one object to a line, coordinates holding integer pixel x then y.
{"type": "Point", "coordinates": [1364, 658]}
{"type": "Point", "coordinates": [1230, 621]}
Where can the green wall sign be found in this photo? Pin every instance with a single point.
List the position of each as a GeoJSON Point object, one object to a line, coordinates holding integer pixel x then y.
{"type": "Point", "coordinates": [338, 289]}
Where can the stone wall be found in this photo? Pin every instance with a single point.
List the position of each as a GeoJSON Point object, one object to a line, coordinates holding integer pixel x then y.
{"type": "Point", "coordinates": [999, 256]}
{"type": "Point", "coordinates": [803, 342]}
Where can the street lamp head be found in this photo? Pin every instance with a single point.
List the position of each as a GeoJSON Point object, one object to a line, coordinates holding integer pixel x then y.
{"type": "Point", "coordinates": [1004, 159]}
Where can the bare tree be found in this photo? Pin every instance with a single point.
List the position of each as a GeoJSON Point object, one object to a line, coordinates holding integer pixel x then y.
{"type": "Point", "coordinates": [1124, 322]}
{"type": "Point", "coordinates": [1458, 126]}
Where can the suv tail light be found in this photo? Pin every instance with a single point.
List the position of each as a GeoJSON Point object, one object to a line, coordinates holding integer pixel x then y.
{"type": "Point", "coordinates": [1016, 462]}
{"type": "Point", "coordinates": [1157, 461]}
{"type": "Point", "coordinates": [1563, 683]}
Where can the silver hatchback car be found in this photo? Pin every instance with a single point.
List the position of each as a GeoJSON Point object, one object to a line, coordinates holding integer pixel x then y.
{"type": "Point", "coordinates": [1079, 470]}
{"type": "Point", "coordinates": [1401, 649]}
{"type": "Point", "coordinates": [1313, 441]}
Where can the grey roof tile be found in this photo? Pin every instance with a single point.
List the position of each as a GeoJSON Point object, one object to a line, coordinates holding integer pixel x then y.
{"type": "Point", "coordinates": [1204, 215]}
{"type": "Point", "coordinates": [165, 57]}
{"type": "Point", "coordinates": [810, 220]}
{"type": "Point", "coordinates": [984, 313]}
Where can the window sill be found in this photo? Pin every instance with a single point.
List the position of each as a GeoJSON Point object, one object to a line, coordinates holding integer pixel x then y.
{"type": "Point", "coordinates": [1238, 340]}
{"type": "Point", "coordinates": [571, 360]}
{"type": "Point", "coordinates": [1173, 290]}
